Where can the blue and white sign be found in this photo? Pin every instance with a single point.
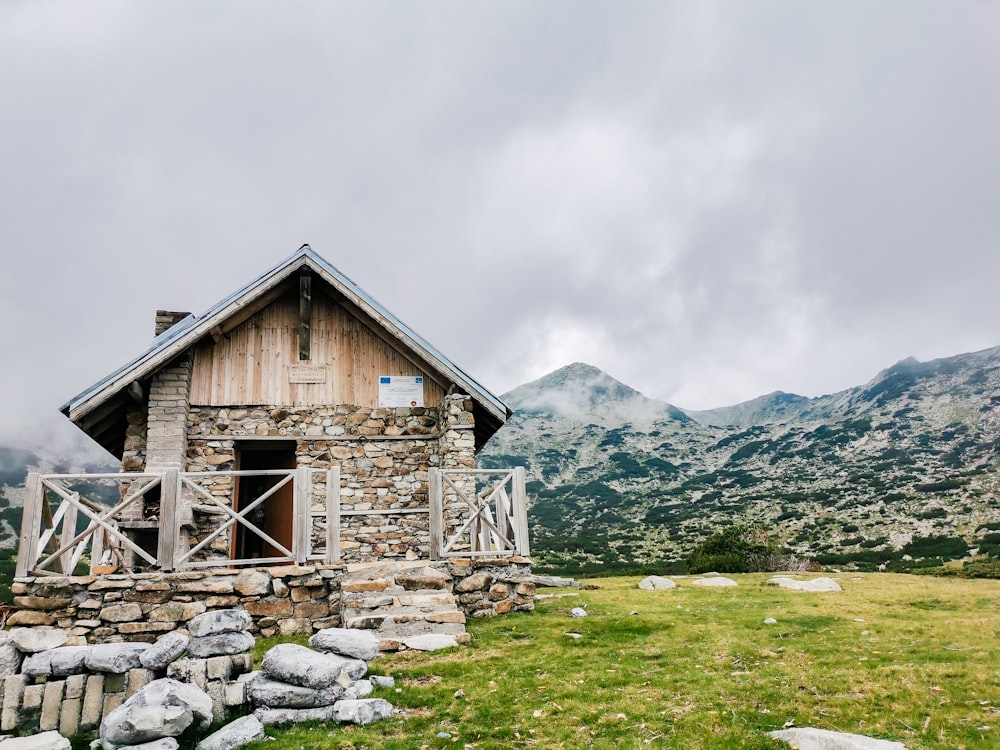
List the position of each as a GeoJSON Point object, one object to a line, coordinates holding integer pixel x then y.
{"type": "Point", "coordinates": [400, 390]}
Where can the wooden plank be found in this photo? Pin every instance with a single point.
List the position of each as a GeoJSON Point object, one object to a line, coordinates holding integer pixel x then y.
{"type": "Point", "coordinates": [305, 315]}
{"type": "Point", "coordinates": [435, 496]}
{"type": "Point", "coordinates": [302, 531]}
{"type": "Point", "coordinates": [520, 502]}
{"type": "Point", "coordinates": [68, 532]}
{"type": "Point", "coordinates": [31, 520]}
{"type": "Point", "coordinates": [167, 542]}
{"type": "Point", "coordinates": [333, 515]}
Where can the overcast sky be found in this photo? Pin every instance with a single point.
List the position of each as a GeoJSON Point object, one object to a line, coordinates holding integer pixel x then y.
{"type": "Point", "coordinates": [710, 201]}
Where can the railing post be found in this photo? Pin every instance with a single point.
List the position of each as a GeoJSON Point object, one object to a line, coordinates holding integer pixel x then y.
{"type": "Point", "coordinates": [31, 519]}
{"type": "Point", "coordinates": [436, 501]}
{"type": "Point", "coordinates": [68, 532]}
{"type": "Point", "coordinates": [302, 513]}
{"type": "Point", "coordinates": [170, 490]}
{"type": "Point", "coordinates": [333, 515]}
{"type": "Point", "coordinates": [520, 501]}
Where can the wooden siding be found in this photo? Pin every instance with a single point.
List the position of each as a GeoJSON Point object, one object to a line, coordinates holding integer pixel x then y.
{"type": "Point", "coordinates": [250, 364]}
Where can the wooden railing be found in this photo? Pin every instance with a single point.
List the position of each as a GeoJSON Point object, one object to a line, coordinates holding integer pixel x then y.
{"type": "Point", "coordinates": [174, 520]}
{"type": "Point", "coordinates": [52, 541]}
{"type": "Point", "coordinates": [478, 513]}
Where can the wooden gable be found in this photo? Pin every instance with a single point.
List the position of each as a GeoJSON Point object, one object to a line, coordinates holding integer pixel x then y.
{"type": "Point", "coordinates": [258, 361]}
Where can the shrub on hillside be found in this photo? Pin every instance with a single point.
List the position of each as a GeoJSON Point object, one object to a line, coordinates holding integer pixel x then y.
{"type": "Point", "coordinates": [737, 549]}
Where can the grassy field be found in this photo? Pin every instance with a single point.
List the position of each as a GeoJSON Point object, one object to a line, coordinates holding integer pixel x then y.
{"type": "Point", "coordinates": [908, 658]}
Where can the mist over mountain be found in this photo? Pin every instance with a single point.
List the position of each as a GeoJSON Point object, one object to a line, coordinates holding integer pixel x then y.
{"type": "Point", "coordinates": [904, 465]}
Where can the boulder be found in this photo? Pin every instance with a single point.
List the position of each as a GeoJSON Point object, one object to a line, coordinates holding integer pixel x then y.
{"type": "Point", "coordinates": [44, 741]}
{"type": "Point", "coordinates": [430, 642]}
{"type": "Point", "coordinates": [655, 583]}
{"type": "Point", "coordinates": [362, 711]}
{"type": "Point", "coordinates": [807, 738]}
{"type": "Point", "coordinates": [116, 658]}
{"type": "Point", "coordinates": [164, 743]}
{"type": "Point", "coordinates": [714, 582]}
{"type": "Point", "coordinates": [10, 657]}
{"type": "Point", "coordinates": [168, 648]}
{"type": "Point", "coordinates": [33, 640]}
{"type": "Point", "coordinates": [362, 688]}
{"type": "Point", "coordinates": [163, 708]}
{"type": "Point", "coordinates": [242, 731]}
{"type": "Point", "coordinates": [382, 681]}
{"type": "Point", "coordinates": [298, 665]}
{"type": "Point", "coordinates": [56, 662]}
{"type": "Point", "coordinates": [358, 644]}
{"type": "Point", "coordinates": [815, 584]}
{"type": "Point", "coordinates": [219, 621]}
{"type": "Point", "coordinates": [554, 581]}
{"type": "Point", "coordinates": [220, 644]}
{"type": "Point", "coordinates": [578, 612]}
{"type": "Point", "coordinates": [263, 691]}
{"type": "Point", "coordinates": [277, 716]}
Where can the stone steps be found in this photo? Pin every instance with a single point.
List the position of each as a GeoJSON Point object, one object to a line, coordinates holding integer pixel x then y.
{"type": "Point", "coordinates": [398, 601]}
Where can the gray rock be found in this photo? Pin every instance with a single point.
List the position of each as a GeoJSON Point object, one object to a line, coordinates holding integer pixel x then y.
{"type": "Point", "coordinates": [277, 716]}
{"type": "Point", "coordinates": [56, 662]}
{"type": "Point", "coordinates": [220, 644]}
{"type": "Point", "coordinates": [358, 644]}
{"type": "Point", "coordinates": [770, 621]}
{"type": "Point", "coordinates": [167, 649]}
{"type": "Point", "coordinates": [655, 583]}
{"type": "Point", "coordinates": [33, 640]}
{"type": "Point", "coordinates": [363, 711]}
{"type": "Point", "coordinates": [163, 708]}
{"type": "Point", "coordinates": [815, 584]}
{"type": "Point", "coordinates": [116, 658]}
{"type": "Point", "coordinates": [554, 581]}
{"type": "Point", "coordinates": [807, 738]}
{"type": "Point", "coordinates": [382, 681]}
{"type": "Point", "coordinates": [164, 743]}
{"type": "Point", "coordinates": [715, 582]}
{"type": "Point", "coordinates": [430, 642]}
{"type": "Point", "coordinates": [298, 665]}
{"type": "Point", "coordinates": [243, 731]}
{"type": "Point", "coordinates": [219, 621]}
{"type": "Point", "coordinates": [363, 688]}
{"type": "Point", "coordinates": [10, 657]}
{"type": "Point", "coordinates": [264, 691]}
{"type": "Point", "coordinates": [44, 741]}
{"type": "Point", "coordinates": [578, 612]}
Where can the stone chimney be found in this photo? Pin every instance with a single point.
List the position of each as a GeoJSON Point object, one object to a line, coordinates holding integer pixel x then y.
{"type": "Point", "coordinates": [167, 319]}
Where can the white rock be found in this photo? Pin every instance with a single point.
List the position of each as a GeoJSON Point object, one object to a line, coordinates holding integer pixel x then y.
{"type": "Point", "coordinates": [219, 621]}
{"type": "Point", "coordinates": [363, 711]}
{"type": "Point", "coordinates": [220, 644]}
{"type": "Point", "coordinates": [10, 657]}
{"type": "Point", "coordinates": [770, 621]}
{"type": "Point", "coordinates": [277, 716]}
{"type": "Point", "coordinates": [358, 644]}
{"type": "Point", "coordinates": [163, 708]}
{"type": "Point", "coordinates": [655, 583]}
{"type": "Point", "coordinates": [116, 658]}
{"type": "Point", "coordinates": [33, 640]}
{"type": "Point", "coordinates": [243, 731]}
{"type": "Point", "coordinates": [298, 665]}
{"type": "Point", "coordinates": [164, 743]}
{"type": "Point", "coordinates": [814, 584]}
{"type": "Point", "coordinates": [264, 691]}
{"type": "Point", "coordinates": [716, 581]}
{"type": "Point", "coordinates": [430, 642]}
{"type": "Point", "coordinates": [382, 681]}
{"type": "Point", "coordinates": [578, 612]}
{"type": "Point", "coordinates": [807, 738]}
{"type": "Point", "coordinates": [363, 688]}
{"type": "Point", "coordinates": [167, 649]}
{"type": "Point", "coordinates": [60, 662]}
{"type": "Point", "coordinates": [44, 741]}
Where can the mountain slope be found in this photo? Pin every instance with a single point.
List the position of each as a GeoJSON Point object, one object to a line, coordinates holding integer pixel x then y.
{"type": "Point", "coordinates": [905, 464]}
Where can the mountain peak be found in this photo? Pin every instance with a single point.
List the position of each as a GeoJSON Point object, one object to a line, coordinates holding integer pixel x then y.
{"type": "Point", "coordinates": [585, 393]}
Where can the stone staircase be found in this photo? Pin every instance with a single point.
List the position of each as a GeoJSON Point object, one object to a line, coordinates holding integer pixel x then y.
{"type": "Point", "coordinates": [397, 600]}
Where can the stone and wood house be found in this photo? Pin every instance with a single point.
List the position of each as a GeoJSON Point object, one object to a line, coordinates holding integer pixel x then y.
{"type": "Point", "coordinates": [296, 450]}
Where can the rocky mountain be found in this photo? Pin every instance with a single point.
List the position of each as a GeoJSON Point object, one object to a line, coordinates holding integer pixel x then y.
{"type": "Point", "coordinates": [904, 466]}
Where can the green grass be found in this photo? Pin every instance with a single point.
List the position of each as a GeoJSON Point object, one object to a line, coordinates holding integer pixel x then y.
{"type": "Point", "coordinates": [900, 657]}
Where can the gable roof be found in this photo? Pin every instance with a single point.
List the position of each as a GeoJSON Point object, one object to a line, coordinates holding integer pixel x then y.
{"type": "Point", "coordinates": [100, 410]}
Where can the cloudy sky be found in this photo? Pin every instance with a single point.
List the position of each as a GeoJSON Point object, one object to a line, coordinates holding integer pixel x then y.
{"type": "Point", "coordinates": [709, 200]}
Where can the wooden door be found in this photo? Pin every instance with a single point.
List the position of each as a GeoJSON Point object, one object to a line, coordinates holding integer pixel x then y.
{"type": "Point", "coordinates": [275, 516]}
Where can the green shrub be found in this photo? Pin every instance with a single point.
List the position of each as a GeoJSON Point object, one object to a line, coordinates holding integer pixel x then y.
{"type": "Point", "coordinates": [737, 549]}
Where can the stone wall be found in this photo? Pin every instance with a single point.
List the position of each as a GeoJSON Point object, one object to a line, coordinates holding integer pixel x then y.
{"type": "Point", "coordinates": [142, 606]}
{"type": "Point", "coordinates": [485, 588]}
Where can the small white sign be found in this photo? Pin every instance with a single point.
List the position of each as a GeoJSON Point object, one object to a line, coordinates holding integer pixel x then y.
{"type": "Point", "coordinates": [400, 390]}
